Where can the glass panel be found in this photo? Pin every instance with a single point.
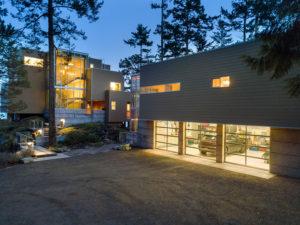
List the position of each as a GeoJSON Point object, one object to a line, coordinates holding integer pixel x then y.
{"type": "Point", "coordinates": [162, 146]}
{"type": "Point", "coordinates": [70, 99]}
{"type": "Point", "coordinates": [161, 130]}
{"type": "Point", "coordinates": [57, 98]}
{"type": "Point", "coordinates": [71, 77]}
{"type": "Point", "coordinates": [58, 75]}
{"type": "Point", "coordinates": [31, 61]}
{"type": "Point", "coordinates": [64, 98]}
{"type": "Point", "coordinates": [58, 60]}
{"type": "Point", "coordinates": [161, 138]}
{"type": "Point", "coordinates": [160, 88]}
{"type": "Point", "coordinates": [173, 148]}
{"type": "Point", "coordinates": [77, 62]}
{"type": "Point", "coordinates": [162, 123]}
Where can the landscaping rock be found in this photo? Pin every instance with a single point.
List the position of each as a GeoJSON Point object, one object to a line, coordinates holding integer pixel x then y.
{"type": "Point", "coordinates": [26, 160]}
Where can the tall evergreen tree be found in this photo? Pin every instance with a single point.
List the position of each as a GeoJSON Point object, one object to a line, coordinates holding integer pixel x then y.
{"type": "Point", "coordinates": [160, 29]}
{"type": "Point", "coordinates": [240, 16]}
{"type": "Point", "coordinates": [140, 39]}
{"type": "Point", "coordinates": [191, 23]}
{"type": "Point", "coordinates": [60, 28]}
{"type": "Point", "coordinates": [222, 35]}
{"type": "Point", "coordinates": [13, 76]}
{"type": "Point", "coordinates": [280, 51]}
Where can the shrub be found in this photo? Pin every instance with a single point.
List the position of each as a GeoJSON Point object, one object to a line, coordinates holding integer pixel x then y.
{"type": "Point", "coordinates": [92, 138]}
{"type": "Point", "coordinates": [75, 138]}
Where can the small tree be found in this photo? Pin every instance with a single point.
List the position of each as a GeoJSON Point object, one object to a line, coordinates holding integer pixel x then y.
{"type": "Point", "coordinates": [60, 28]}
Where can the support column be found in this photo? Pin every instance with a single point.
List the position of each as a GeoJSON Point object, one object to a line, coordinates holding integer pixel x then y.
{"type": "Point", "coordinates": [154, 134]}
{"type": "Point", "coordinates": [181, 138]}
{"type": "Point", "coordinates": [220, 154]}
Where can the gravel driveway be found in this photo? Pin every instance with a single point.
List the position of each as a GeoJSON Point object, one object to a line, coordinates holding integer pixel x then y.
{"type": "Point", "coordinates": [135, 187]}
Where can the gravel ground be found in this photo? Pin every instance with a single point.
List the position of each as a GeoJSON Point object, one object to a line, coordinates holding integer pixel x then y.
{"type": "Point", "coordinates": [135, 187]}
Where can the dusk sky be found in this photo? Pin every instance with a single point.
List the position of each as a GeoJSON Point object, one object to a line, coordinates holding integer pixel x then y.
{"type": "Point", "coordinates": [118, 18]}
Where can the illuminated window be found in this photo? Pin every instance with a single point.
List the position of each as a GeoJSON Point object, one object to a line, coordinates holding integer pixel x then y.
{"type": "Point", "coordinates": [31, 61]}
{"type": "Point", "coordinates": [91, 65]}
{"type": "Point", "coordinates": [128, 110]}
{"type": "Point", "coordinates": [113, 105]}
{"type": "Point", "coordinates": [115, 86]}
{"type": "Point", "coordinates": [221, 82]}
{"type": "Point", "coordinates": [160, 88]}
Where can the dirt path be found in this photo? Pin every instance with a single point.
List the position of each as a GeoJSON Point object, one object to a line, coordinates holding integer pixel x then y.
{"type": "Point", "coordinates": [135, 187]}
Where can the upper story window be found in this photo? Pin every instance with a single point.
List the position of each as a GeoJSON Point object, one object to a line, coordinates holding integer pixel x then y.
{"type": "Point", "coordinates": [221, 82]}
{"type": "Point", "coordinates": [31, 61]}
{"type": "Point", "coordinates": [114, 86]}
{"type": "Point", "coordinates": [160, 88]}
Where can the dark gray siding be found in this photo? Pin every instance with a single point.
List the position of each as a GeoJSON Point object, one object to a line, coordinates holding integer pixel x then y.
{"type": "Point", "coordinates": [100, 82]}
{"type": "Point", "coordinates": [250, 99]}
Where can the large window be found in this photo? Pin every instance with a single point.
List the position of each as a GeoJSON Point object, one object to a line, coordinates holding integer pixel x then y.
{"type": "Point", "coordinates": [135, 102]}
{"type": "Point", "coordinates": [248, 145]}
{"type": "Point", "coordinates": [167, 135]}
{"type": "Point", "coordinates": [70, 80]}
{"type": "Point", "coordinates": [201, 139]}
{"type": "Point", "coordinates": [160, 88]}
{"type": "Point", "coordinates": [31, 61]}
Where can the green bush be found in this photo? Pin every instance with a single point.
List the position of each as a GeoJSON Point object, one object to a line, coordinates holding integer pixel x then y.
{"type": "Point", "coordinates": [79, 137]}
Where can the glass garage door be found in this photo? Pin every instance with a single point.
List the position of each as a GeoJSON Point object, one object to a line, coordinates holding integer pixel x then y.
{"type": "Point", "coordinates": [201, 139]}
{"type": "Point", "coordinates": [167, 135]}
{"type": "Point", "coordinates": [248, 145]}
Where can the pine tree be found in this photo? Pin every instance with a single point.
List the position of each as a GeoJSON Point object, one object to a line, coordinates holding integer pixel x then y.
{"type": "Point", "coordinates": [160, 28]}
{"type": "Point", "coordinates": [240, 17]}
{"type": "Point", "coordinates": [13, 76]}
{"type": "Point", "coordinates": [129, 66]}
{"type": "Point", "coordinates": [140, 39]}
{"type": "Point", "coordinates": [280, 51]}
{"type": "Point", "coordinates": [60, 28]}
{"type": "Point", "coordinates": [222, 35]}
{"type": "Point", "coordinates": [191, 23]}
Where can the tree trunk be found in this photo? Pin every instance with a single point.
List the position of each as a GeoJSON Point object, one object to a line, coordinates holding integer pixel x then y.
{"type": "Point", "coordinates": [244, 28]}
{"type": "Point", "coordinates": [52, 126]}
{"type": "Point", "coordinates": [162, 31]}
{"type": "Point", "coordinates": [141, 56]}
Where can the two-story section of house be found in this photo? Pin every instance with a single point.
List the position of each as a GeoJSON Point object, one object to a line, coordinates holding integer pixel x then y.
{"type": "Point", "coordinates": [212, 105]}
{"type": "Point", "coordinates": [86, 89]}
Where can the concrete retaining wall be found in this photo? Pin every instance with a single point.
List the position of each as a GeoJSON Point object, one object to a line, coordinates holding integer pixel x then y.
{"type": "Point", "coordinates": [144, 137]}
{"type": "Point", "coordinates": [78, 116]}
{"type": "Point", "coordinates": [285, 152]}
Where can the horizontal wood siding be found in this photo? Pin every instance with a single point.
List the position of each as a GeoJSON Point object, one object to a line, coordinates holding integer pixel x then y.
{"type": "Point", "coordinates": [250, 99]}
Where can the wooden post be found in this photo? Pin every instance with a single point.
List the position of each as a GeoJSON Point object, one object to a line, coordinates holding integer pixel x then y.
{"type": "Point", "coordinates": [220, 154]}
{"type": "Point", "coordinates": [181, 139]}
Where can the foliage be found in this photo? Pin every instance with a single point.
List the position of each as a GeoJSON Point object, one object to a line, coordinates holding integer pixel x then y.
{"type": "Point", "coordinates": [14, 158]}
{"type": "Point", "coordinates": [188, 28]}
{"type": "Point", "coordinates": [60, 30]}
{"type": "Point", "coordinates": [131, 65]}
{"type": "Point", "coordinates": [222, 36]}
{"type": "Point", "coordinates": [160, 28]}
{"type": "Point", "coordinates": [13, 76]}
{"type": "Point", "coordinates": [280, 51]}
{"type": "Point", "coordinates": [78, 137]}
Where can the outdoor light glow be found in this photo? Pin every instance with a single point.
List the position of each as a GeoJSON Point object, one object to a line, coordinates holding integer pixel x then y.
{"type": "Point", "coordinates": [63, 122]}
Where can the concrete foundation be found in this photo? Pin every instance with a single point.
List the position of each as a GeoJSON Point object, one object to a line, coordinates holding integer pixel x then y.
{"type": "Point", "coordinates": [78, 116]}
{"type": "Point", "coordinates": [144, 137]}
{"type": "Point", "coordinates": [285, 152]}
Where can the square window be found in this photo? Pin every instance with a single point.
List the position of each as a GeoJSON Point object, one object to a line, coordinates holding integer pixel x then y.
{"type": "Point", "coordinates": [225, 81]}
{"type": "Point", "coordinates": [216, 83]}
{"type": "Point", "coordinates": [115, 86]}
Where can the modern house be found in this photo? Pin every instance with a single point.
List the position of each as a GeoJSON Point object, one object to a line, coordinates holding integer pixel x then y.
{"type": "Point", "coordinates": [86, 89]}
{"type": "Point", "coordinates": [212, 105]}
